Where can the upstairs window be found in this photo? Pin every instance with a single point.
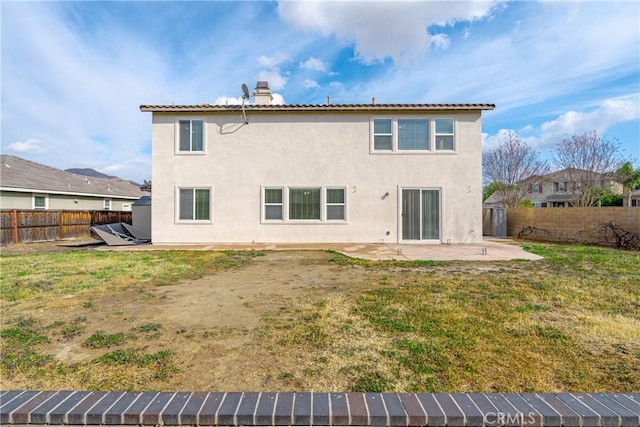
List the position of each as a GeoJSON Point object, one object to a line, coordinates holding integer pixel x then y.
{"type": "Point", "coordinates": [560, 187]}
{"type": "Point", "coordinates": [412, 134]}
{"type": "Point", "coordinates": [444, 134]}
{"type": "Point", "coordinates": [191, 136]}
{"type": "Point", "coordinates": [382, 135]}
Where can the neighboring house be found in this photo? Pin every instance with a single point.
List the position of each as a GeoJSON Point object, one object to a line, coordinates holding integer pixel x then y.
{"type": "Point", "coordinates": [316, 173]}
{"type": "Point", "coordinates": [28, 185]}
{"type": "Point", "coordinates": [558, 189]}
{"type": "Point", "coordinates": [635, 199]}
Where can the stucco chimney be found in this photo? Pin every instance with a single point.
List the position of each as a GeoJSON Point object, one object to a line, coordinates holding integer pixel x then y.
{"type": "Point", "coordinates": [262, 94]}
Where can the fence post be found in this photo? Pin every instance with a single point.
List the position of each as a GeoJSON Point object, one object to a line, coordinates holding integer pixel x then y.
{"type": "Point", "coordinates": [60, 226]}
{"type": "Point", "coordinates": [14, 220]}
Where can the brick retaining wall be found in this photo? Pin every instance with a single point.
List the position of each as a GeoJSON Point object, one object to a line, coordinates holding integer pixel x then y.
{"type": "Point", "coordinates": [83, 408]}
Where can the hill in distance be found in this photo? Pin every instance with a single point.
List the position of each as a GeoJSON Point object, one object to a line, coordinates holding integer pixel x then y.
{"type": "Point", "coordinates": [95, 174]}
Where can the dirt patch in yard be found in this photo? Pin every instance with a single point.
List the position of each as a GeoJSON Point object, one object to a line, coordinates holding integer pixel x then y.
{"type": "Point", "coordinates": [208, 322]}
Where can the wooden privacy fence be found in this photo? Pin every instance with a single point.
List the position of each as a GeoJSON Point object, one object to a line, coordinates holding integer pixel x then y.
{"type": "Point", "coordinates": [21, 226]}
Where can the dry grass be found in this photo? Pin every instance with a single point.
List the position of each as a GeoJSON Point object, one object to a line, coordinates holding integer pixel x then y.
{"type": "Point", "coordinates": [568, 323]}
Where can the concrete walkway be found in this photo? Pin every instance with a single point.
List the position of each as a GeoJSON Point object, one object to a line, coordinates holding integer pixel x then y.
{"type": "Point", "coordinates": [489, 250]}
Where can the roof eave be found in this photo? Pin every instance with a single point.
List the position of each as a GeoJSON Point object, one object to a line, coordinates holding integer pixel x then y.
{"type": "Point", "coordinates": [339, 108]}
{"type": "Point", "coordinates": [69, 193]}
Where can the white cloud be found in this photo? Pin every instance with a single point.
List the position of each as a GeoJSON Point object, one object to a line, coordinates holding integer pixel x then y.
{"type": "Point", "coordinates": [311, 84]}
{"type": "Point", "coordinates": [528, 128]}
{"type": "Point", "coordinates": [34, 146]}
{"type": "Point", "coordinates": [548, 134]}
{"type": "Point", "coordinates": [316, 65]}
{"type": "Point", "coordinates": [278, 99]}
{"type": "Point", "coordinates": [489, 142]}
{"type": "Point", "coordinates": [610, 112]}
{"type": "Point", "coordinates": [228, 100]}
{"type": "Point", "coordinates": [440, 41]}
{"type": "Point", "coordinates": [272, 61]}
{"type": "Point", "coordinates": [129, 169]}
{"type": "Point", "coordinates": [382, 29]}
{"type": "Point", "coordinates": [276, 80]}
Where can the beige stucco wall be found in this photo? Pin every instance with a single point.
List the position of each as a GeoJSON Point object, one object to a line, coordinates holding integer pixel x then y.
{"type": "Point", "coordinates": [309, 150]}
{"type": "Point", "coordinates": [21, 200]}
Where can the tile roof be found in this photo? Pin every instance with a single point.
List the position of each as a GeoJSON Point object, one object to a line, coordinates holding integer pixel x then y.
{"type": "Point", "coordinates": [20, 174]}
{"type": "Point", "coordinates": [320, 108]}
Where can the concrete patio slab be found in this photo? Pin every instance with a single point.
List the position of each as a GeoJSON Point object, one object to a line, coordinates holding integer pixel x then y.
{"type": "Point", "coordinates": [489, 250]}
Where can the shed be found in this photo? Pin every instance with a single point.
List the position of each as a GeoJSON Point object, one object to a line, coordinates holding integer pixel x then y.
{"type": "Point", "coordinates": [141, 214]}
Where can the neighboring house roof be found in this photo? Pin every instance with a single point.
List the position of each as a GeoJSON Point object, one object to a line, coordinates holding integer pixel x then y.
{"type": "Point", "coordinates": [329, 108]}
{"type": "Point", "coordinates": [17, 174]}
{"type": "Point", "coordinates": [568, 173]}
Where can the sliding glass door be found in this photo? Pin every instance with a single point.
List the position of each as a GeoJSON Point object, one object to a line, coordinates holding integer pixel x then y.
{"type": "Point", "coordinates": [420, 214]}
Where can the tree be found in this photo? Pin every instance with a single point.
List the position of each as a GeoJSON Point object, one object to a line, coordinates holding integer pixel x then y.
{"type": "Point", "coordinates": [488, 190]}
{"type": "Point", "coordinates": [509, 165]}
{"type": "Point", "coordinates": [589, 163]}
{"type": "Point", "coordinates": [629, 178]}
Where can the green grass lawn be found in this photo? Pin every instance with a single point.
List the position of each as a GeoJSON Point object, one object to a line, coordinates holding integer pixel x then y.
{"type": "Point", "coordinates": [570, 322]}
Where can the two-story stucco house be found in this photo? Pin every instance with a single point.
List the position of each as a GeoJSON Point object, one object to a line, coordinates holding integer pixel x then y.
{"type": "Point", "coordinates": [393, 173]}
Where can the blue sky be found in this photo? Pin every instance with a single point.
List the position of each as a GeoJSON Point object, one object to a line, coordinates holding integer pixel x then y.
{"type": "Point", "coordinates": [75, 73]}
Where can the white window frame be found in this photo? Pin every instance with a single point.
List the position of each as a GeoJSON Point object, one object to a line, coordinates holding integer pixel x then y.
{"type": "Point", "coordinates": [107, 205]}
{"type": "Point", "coordinates": [285, 204]}
{"type": "Point", "coordinates": [374, 134]}
{"type": "Point", "coordinates": [281, 204]}
{"type": "Point", "coordinates": [394, 135]}
{"type": "Point", "coordinates": [327, 204]}
{"type": "Point", "coordinates": [177, 137]}
{"type": "Point", "coordinates": [452, 135]}
{"type": "Point", "coordinates": [177, 205]}
{"type": "Point", "coordinates": [46, 201]}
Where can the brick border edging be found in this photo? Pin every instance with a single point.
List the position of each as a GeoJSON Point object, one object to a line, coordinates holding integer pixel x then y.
{"type": "Point", "coordinates": [87, 408]}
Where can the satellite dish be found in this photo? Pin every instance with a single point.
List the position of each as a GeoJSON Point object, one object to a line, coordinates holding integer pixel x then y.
{"type": "Point", "coordinates": [245, 96]}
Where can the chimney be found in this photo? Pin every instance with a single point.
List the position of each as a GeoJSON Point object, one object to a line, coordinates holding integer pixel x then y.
{"type": "Point", "coordinates": [262, 94]}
